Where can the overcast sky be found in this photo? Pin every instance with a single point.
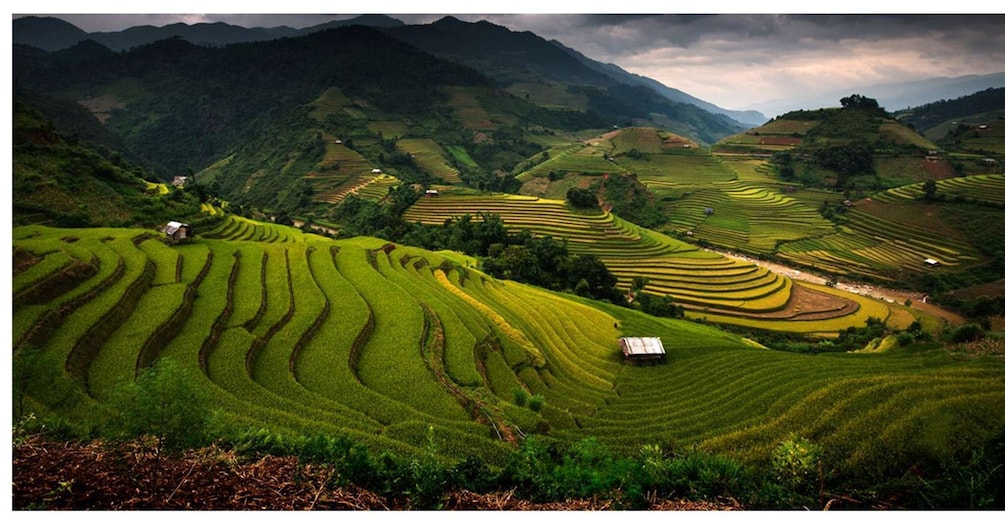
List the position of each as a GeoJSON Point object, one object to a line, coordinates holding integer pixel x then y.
{"type": "Point", "coordinates": [736, 61]}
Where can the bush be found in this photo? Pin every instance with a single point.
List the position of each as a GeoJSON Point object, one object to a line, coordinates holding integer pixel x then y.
{"type": "Point", "coordinates": [582, 198]}
{"type": "Point", "coordinates": [795, 464]}
{"type": "Point", "coordinates": [519, 397]}
{"type": "Point", "coordinates": [163, 401]}
{"type": "Point", "coordinates": [967, 333]}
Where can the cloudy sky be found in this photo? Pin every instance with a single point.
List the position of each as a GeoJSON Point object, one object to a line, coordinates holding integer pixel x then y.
{"type": "Point", "coordinates": [737, 61]}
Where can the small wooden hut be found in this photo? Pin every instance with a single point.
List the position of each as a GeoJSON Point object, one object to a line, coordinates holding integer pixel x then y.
{"type": "Point", "coordinates": [643, 350]}
{"type": "Point", "coordinates": [177, 231]}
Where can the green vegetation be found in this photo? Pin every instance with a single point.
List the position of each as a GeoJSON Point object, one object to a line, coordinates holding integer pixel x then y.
{"type": "Point", "coordinates": [705, 284]}
{"type": "Point", "coordinates": [311, 337]}
{"type": "Point", "coordinates": [463, 339]}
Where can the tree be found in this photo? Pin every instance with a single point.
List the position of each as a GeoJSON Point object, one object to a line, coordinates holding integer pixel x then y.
{"type": "Point", "coordinates": [857, 101]}
{"type": "Point", "coordinates": [930, 189]}
{"type": "Point", "coordinates": [581, 198]}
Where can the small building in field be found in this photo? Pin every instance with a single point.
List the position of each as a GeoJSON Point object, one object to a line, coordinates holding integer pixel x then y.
{"type": "Point", "coordinates": [849, 203]}
{"type": "Point", "coordinates": [432, 192]}
{"type": "Point", "coordinates": [179, 181]}
{"type": "Point", "coordinates": [931, 262]}
{"type": "Point", "coordinates": [177, 231]}
{"type": "Point", "coordinates": [375, 171]}
{"type": "Point", "coordinates": [642, 350]}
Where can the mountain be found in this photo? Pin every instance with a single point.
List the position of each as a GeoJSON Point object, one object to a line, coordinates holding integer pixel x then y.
{"type": "Point", "coordinates": [978, 104]}
{"type": "Point", "coordinates": [505, 55]}
{"type": "Point", "coordinates": [367, 20]}
{"type": "Point", "coordinates": [751, 118]}
{"type": "Point", "coordinates": [519, 58]}
{"type": "Point", "coordinates": [206, 34]}
{"type": "Point", "coordinates": [53, 34]}
{"type": "Point", "coordinates": [894, 96]}
{"type": "Point", "coordinates": [181, 105]}
{"type": "Point", "coordinates": [45, 32]}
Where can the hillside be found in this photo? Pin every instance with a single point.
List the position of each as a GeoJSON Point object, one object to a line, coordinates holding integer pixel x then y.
{"type": "Point", "coordinates": [927, 117]}
{"type": "Point", "coordinates": [504, 55]}
{"type": "Point", "coordinates": [69, 171]}
{"type": "Point", "coordinates": [526, 59]}
{"type": "Point", "coordinates": [856, 146]}
{"type": "Point", "coordinates": [183, 106]}
{"type": "Point", "coordinates": [287, 334]}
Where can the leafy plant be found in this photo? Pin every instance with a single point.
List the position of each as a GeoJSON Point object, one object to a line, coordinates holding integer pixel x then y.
{"type": "Point", "coordinates": [165, 402]}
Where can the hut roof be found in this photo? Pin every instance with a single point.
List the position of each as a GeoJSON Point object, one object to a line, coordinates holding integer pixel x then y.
{"type": "Point", "coordinates": [640, 346]}
{"type": "Point", "coordinates": [173, 227]}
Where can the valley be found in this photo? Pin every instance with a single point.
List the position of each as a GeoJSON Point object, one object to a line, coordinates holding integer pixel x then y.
{"type": "Point", "coordinates": [409, 253]}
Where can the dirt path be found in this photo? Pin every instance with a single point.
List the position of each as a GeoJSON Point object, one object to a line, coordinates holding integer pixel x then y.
{"type": "Point", "coordinates": [918, 300]}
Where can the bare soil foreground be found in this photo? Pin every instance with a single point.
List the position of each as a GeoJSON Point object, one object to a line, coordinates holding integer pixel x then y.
{"type": "Point", "coordinates": [71, 476]}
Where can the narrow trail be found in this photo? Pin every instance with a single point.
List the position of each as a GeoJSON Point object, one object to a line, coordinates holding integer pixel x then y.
{"type": "Point", "coordinates": [918, 300]}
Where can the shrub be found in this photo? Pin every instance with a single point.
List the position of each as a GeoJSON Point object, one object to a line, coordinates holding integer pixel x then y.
{"type": "Point", "coordinates": [519, 397]}
{"type": "Point", "coordinates": [581, 198]}
{"type": "Point", "coordinates": [163, 401]}
{"type": "Point", "coordinates": [795, 463]}
{"type": "Point", "coordinates": [967, 333]}
{"type": "Point", "coordinates": [535, 402]}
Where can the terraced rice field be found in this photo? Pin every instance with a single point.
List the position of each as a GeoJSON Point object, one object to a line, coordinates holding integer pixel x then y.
{"type": "Point", "coordinates": [779, 135]}
{"type": "Point", "coordinates": [468, 109]}
{"type": "Point", "coordinates": [343, 171]}
{"type": "Point", "coordinates": [578, 158]}
{"type": "Point", "coordinates": [983, 187]}
{"type": "Point", "coordinates": [429, 157]}
{"type": "Point", "coordinates": [745, 216]}
{"type": "Point", "coordinates": [986, 141]}
{"type": "Point", "coordinates": [238, 228]}
{"type": "Point", "coordinates": [707, 284]}
{"type": "Point", "coordinates": [380, 343]}
{"type": "Point", "coordinates": [641, 139]}
{"type": "Point", "coordinates": [879, 246]}
{"type": "Point", "coordinates": [668, 172]}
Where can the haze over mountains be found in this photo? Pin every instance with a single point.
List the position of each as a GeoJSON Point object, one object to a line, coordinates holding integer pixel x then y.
{"type": "Point", "coordinates": [897, 96]}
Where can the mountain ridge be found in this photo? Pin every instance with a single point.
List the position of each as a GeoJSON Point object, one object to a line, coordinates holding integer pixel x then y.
{"type": "Point", "coordinates": [445, 37]}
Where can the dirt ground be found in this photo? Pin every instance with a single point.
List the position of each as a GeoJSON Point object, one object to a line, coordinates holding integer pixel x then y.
{"type": "Point", "coordinates": [51, 475]}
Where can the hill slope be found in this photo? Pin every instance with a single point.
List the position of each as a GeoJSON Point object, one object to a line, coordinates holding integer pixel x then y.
{"type": "Point", "coordinates": [977, 106]}
{"type": "Point", "coordinates": [298, 334]}
{"type": "Point", "coordinates": [68, 170]}
{"type": "Point", "coordinates": [183, 106]}
{"type": "Point", "coordinates": [509, 57]}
